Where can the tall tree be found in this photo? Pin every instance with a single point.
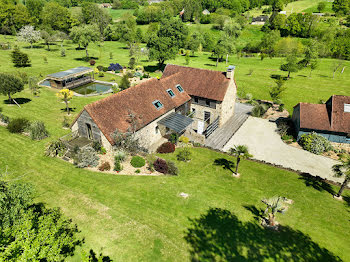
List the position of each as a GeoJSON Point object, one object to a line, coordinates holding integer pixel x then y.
{"type": "Point", "coordinates": [34, 8]}
{"type": "Point", "coordinates": [341, 6]}
{"type": "Point", "coordinates": [268, 42]}
{"type": "Point", "coordinates": [65, 95]}
{"type": "Point", "coordinates": [56, 16]}
{"type": "Point", "coordinates": [342, 170]}
{"type": "Point", "coordinates": [29, 34]}
{"type": "Point", "coordinates": [93, 14]}
{"type": "Point", "coordinates": [170, 37]}
{"type": "Point", "coordinates": [10, 84]}
{"type": "Point", "coordinates": [84, 35]}
{"type": "Point", "coordinates": [240, 152]}
{"type": "Point", "coordinates": [48, 37]}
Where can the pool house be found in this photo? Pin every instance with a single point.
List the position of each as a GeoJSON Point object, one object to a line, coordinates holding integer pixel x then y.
{"type": "Point", "coordinates": [71, 78]}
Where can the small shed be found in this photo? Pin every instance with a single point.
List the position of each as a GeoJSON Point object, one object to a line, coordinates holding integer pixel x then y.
{"type": "Point", "coordinates": [206, 12]}
{"type": "Point", "coordinates": [71, 78]}
{"type": "Point", "coordinates": [260, 20]}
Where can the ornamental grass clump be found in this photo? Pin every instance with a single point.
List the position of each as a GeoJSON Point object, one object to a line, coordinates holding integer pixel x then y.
{"type": "Point", "coordinates": [18, 125]}
{"type": "Point", "coordinates": [137, 161]}
{"type": "Point", "coordinates": [87, 157]}
{"type": "Point", "coordinates": [315, 143]}
{"type": "Point", "coordinates": [184, 155]}
{"type": "Point", "coordinates": [37, 130]}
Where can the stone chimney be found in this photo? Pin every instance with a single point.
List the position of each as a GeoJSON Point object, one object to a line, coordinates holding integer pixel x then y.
{"type": "Point", "coordinates": [230, 73]}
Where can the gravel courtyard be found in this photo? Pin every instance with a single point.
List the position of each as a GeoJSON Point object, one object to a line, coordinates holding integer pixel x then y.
{"type": "Point", "coordinates": [265, 144]}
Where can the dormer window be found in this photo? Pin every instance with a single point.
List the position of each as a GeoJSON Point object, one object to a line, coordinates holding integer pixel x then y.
{"type": "Point", "coordinates": [171, 93]}
{"type": "Point", "coordinates": [157, 104]}
{"type": "Point", "coordinates": [179, 87]}
{"type": "Point", "coordinates": [347, 108]}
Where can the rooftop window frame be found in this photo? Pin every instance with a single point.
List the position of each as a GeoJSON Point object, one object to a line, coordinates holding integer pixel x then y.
{"type": "Point", "coordinates": [155, 102]}
{"type": "Point", "coordinates": [179, 88]}
{"type": "Point", "coordinates": [169, 91]}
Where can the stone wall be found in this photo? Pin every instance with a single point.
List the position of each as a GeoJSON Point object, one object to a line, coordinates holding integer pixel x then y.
{"type": "Point", "coordinates": [228, 104]}
{"type": "Point", "coordinates": [150, 136]}
{"type": "Point", "coordinates": [81, 127]}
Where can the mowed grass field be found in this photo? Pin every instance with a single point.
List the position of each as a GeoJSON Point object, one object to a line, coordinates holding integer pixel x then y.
{"type": "Point", "coordinates": [300, 88]}
{"type": "Point", "coordinates": [133, 218]}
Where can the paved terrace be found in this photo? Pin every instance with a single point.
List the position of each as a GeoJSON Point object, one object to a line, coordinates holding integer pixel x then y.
{"type": "Point", "coordinates": [265, 144]}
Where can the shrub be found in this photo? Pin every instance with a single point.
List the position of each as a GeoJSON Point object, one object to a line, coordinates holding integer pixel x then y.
{"type": "Point", "coordinates": [117, 166]}
{"type": "Point", "coordinates": [96, 146]}
{"type": "Point", "coordinates": [174, 138]}
{"type": "Point", "coordinates": [259, 110]}
{"type": "Point", "coordinates": [101, 74]}
{"type": "Point", "coordinates": [161, 166]}
{"type": "Point", "coordinates": [37, 130]}
{"type": "Point", "coordinates": [105, 166]}
{"type": "Point", "coordinates": [3, 118]}
{"type": "Point", "coordinates": [19, 59]}
{"type": "Point", "coordinates": [166, 147]}
{"type": "Point", "coordinates": [87, 157]}
{"type": "Point", "coordinates": [172, 169]}
{"type": "Point", "coordinates": [65, 122]}
{"type": "Point", "coordinates": [287, 137]}
{"type": "Point", "coordinates": [184, 155]}
{"type": "Point", "coordinates": [63, 52]}
{"type": "Point", "coordinates": [150, 161]}
{"type": "Point", "coordinates": [137, 171]}
{"type": "Point", "coordinates": [315, 143]}
{"type": "Point", "coordinates": [17, 125]}
{"type": "Point", "coordinates": [100, 68]}
{"type": "Point", "coordinates": [137, 161]}
{"type": "Point", "coordinates": [120, 155]}
{"type": "Point", "coordinates": [105, 69]}
{"type": "Point", "coordinates": [55, 148]}
{"type": "Point", "coordinates": [184, 139]}
{"type": "Point", "coordinates": [103, 150]}
{"type": "Point", "coordinates": [115, 67]}
{"type": "Point", "coordinates": [281, 107]}
{"type": "Point", "coordinates": [92, 62]}
{"type": "Point", "coordinates": [249, 96]}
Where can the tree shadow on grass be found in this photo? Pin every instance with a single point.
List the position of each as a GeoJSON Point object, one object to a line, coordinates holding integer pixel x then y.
{"type": "Point", "coordinates": [347, 200]}
{"type": "Point", "coordinates": [209, 65]}
{"type": "Point", "coordinates": [317, 183]}
{"type": "Point", "coordinates": [19, 101]}
{"type": "Point", "coordinates": [153, 68]}
{"type": "Point", "coordinates": [86, 59]}
{"type": "Point", "coordinates": [71, 109]}
{"type": "Point", "coordinates": [278, 77]}
{"type": "Point", "coordinates": [257, 213]}
{"type": "Point", "coordinates": [225, 164]}
{"type": "Point", "coordinates": [218, 235]}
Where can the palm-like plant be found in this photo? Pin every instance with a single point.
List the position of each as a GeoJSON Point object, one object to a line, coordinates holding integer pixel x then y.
{"type": "Point", "coordinates": [274, 205]}
{"type": "Point", "coordinates": [240, 152]}
{"type": "Point", "coordinates": [342, 170]}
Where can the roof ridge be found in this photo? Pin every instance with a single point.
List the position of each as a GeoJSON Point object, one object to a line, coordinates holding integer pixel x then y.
{"type": "Point", "coordinates": [203, 69]}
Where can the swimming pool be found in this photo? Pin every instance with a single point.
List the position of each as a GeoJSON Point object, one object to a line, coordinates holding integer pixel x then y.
{"type": "Point", "coordinates": [93, 88]}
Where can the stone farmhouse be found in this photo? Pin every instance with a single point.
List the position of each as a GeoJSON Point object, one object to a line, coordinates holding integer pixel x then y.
{"type": "Point", "coordinates": [331, 120]}
{"type": "Point", "coordinates": [187, 101]}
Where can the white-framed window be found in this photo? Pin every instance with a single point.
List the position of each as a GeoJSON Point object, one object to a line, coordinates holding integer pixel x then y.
{"type": "Point", "coordinates": [179, 87]}
{"type": "Point", "coordinates": [170, 92]}
{"type": "Point", "coordinates": [157, 104]}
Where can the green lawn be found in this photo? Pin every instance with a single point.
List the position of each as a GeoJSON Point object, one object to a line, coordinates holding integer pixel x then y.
{"type": "Point", "coordinates": [134, 218]}
{"type": "Point", "coordinates": [300, 88]}
{"type": "Point", "coordinates": [300, 6]}
{"type": "Point", "coordinates": [313, 9]}
{"type": "Point", "coordinates": [142, 218]}
{"type": "Point", "coordinates": [116, 14]}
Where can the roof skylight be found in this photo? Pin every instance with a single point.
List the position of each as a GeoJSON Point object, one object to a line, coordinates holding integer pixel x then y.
{"type": "Point", "coordinates": [157, 104]}
{"type": "Point", "coordinates": [179, 87]}
{"type": "Point", "coordinates": [171, 93]}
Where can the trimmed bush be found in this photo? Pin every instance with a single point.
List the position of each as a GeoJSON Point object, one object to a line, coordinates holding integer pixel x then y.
{"type": "Point", "coordinates": [117, 166]}
{"type": "Point", "coordinates": [174, 138]}
{"type": "Point", "coordinates": [92, 62]}
{"type": "Point", "coordinates": [120, 155]}
{"type": "Point", "coordinates": [166, 147]}
{"type": "Point", "coordinates": [315, 143]}
{"type": "Point", "coordinates": [55, 148]}
{"type": "Point", "coordinates": [100, 68]}
{"type": "Point", "coordinates": [105, 166]}
{"type": "Point", "coordinates": [3, 118]}
{"type": "Point", "coordinates": [18, 125]}
{"type": "Point", "coordinates": [37, 130]}
{"type": "Point", "coordinates": [137, 171]}
{"type": "Point", "coordinates": [87, 157]}
{"type": "Point", "coordinates": [161, 166]}
{"type": "Point", "coordinates": [137, 161]}
{"type": "Point", "coordinates": [184, 155]}
{"type": "Point", "coordinates": [172, 168]}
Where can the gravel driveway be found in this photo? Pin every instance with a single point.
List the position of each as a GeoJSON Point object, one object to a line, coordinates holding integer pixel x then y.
{"type": "Point", "coordinates": [265, 144]}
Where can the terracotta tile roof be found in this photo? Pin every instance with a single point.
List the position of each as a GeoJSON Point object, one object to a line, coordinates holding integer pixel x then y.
{"type": "Point", "coordinates": [203, 83]}
{"type": "Point", "coordinates": [326, 117]}
{"type": "Point", "coordinates": [112, 112]}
